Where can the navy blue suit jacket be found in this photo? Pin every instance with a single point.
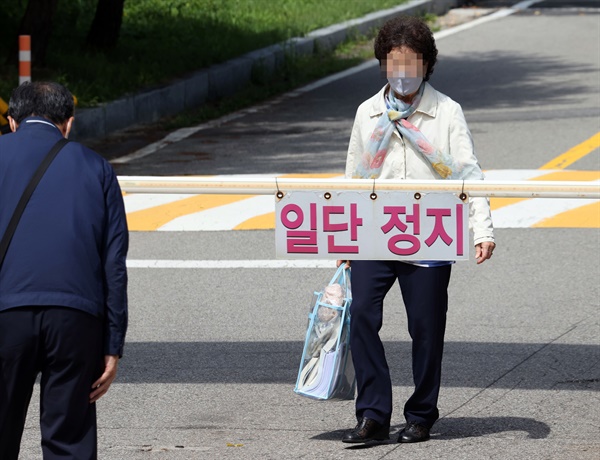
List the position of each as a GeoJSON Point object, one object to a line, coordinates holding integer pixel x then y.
{"type": "Point", "coordinates": [71, 244]}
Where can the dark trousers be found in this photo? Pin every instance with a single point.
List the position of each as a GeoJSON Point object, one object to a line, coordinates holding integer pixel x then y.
{"type": "Point", "coordinates": [65, 346]}
{"type": "Point", "coordinates": [425, 295]}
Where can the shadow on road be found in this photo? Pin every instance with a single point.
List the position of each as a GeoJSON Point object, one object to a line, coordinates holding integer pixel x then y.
{"type": "Point", "coordinates": [466, 364]}
{"type": "Point", "coordinates": [506, 80]}
{"type": "Point", "coordinates": [459, 428]}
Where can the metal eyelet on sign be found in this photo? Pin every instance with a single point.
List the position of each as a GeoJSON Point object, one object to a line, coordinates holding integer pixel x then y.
{"type": "Point", "coordinates": [327, 195]}
{"type": "Point", "coordinates": [463, 196]}
{"type": "Point", "coordinates": [279, 193]}
{"type": "Point", "coordinates": [417, 196]}
{"type": "Point", "coordinates": [373, 195]}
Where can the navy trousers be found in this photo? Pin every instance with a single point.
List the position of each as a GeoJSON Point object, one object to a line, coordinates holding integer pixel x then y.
{"type": "Point", "coordinates": [65, 346]}
{"type": "Point", "coordinates": [425, 295]}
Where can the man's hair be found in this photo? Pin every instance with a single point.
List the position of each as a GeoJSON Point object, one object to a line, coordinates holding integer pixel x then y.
{"type": "Point", "coordinates": [410, 32]}
{"type": "Point", "coordinates": [42, 99]}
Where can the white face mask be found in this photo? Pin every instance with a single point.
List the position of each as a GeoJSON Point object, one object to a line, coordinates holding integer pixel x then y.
{"type": "Point", "coordinates": [405, 85]}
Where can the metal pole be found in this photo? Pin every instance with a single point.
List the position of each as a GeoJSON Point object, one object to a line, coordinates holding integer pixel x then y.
{"type": "Point", "coordinates": [473, 188]}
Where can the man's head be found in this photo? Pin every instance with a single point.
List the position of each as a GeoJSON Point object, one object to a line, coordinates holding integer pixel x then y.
{"type": "Point", "coordinates": [49, 100]}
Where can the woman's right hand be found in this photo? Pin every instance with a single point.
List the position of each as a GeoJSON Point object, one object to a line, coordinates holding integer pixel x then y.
{"type": "Point", "coordinates": [340, 262]}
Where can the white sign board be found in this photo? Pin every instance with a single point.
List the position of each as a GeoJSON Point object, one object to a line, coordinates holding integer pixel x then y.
{"type": "Point", "coordinates": [353, 226]}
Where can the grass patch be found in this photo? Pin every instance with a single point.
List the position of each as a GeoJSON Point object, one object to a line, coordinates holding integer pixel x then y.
{"type": "Point", "coordinates": [164, 39]}
{"type": "Point", "coordinates": [297, 71]}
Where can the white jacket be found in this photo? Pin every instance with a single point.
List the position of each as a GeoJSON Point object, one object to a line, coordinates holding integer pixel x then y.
{"type": "Point", "coordinates": [442, 122]}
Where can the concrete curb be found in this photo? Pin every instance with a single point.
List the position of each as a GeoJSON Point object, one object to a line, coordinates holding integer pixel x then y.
{"type": "Point", "coordinates": [226, 78]}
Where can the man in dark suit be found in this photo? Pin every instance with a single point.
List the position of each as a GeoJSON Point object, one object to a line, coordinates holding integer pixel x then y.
{"type": "Point", "coordinates": [63, 282]}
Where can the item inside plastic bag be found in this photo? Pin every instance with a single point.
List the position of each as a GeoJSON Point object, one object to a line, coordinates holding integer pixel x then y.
{"type": "Point", "coordinates": [327, 321]}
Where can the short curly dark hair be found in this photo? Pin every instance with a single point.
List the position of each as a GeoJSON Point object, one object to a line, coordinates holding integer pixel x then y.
{"type": "Point", "coordinates": [407, 31]}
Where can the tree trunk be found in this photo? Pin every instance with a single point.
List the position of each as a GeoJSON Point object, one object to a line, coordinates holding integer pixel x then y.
{"type": "Point", "coordinates": [104, 32]}
{"type": "Point", "coordinates": [36, 22]}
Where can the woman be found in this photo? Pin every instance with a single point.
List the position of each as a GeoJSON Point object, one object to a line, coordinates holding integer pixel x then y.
{"type": "Point", "coordinates": [408, 130]}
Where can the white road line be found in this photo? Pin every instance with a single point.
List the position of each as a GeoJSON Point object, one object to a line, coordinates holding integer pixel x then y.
{"type": "Point", "coordinates": [139, 202]}
{"type": "Point", "coordinates": [223, 217]}
{"type": "Point", "coordinates": [212, 264]}
{"type": "Point", "coordinates": [530, 212]}
{"type": "Point", "coordinates": [482, 20]}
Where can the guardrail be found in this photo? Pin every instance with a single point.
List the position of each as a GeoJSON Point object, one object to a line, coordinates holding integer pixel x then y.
{"type": "Point", "coordinates": [473, 188]}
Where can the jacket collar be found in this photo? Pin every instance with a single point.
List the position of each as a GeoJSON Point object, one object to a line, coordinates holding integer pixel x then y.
{"type": "Point", "coordinates": [428, 104]}
{"type": "Point", "coordinates": [38, 123]}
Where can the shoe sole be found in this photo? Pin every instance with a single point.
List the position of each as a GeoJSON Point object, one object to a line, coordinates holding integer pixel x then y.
{"type": "Point", "coordinates": [363, 441]}
{"type": "Point", "coordinates": [402, 441]}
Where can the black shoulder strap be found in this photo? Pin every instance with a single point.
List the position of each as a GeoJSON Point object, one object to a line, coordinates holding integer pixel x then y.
{"type": "Point", "coordinates": [37, 176]}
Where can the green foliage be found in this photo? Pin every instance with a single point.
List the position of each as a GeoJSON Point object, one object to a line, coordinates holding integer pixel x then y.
{"type": "Point", "coordinates": [296, 71]}
{"type": "Point", "coordinates": [163, 39]}
{"type": "Point", "coordinates": [12, 11]}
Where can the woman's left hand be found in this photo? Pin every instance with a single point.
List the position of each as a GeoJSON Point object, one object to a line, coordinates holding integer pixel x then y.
{"type": "Point", "coordinates": [483, 251]}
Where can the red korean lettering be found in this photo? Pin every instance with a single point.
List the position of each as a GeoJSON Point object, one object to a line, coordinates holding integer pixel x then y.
{"type": "Point", "coordinates": [300, 241]}
{"type": "Point", "coordinates": [438, 228]}
{"type": "Point", "coordinates": [329, 226]}
{"type": "Point", "coordinates": [396, 243]}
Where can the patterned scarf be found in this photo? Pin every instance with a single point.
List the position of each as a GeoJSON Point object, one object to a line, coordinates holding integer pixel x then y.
{"type": "Point", "coordinates": [396, 118]}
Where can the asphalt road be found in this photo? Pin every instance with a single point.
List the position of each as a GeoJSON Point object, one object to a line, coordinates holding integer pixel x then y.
{"type": "Point", "coordinates": [528, 84]}
{"type": "Point", "coordinates": [213, 353]}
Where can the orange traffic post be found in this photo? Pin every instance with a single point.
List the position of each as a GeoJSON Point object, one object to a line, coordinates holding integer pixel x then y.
{"type": "Point", "coordinates": [24, 58]}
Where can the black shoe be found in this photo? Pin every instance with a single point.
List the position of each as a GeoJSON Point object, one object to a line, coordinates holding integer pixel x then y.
{"type": "Point", "coordinates": [413, 432]}
{"type": "Point", "coordinates": [368, 430]}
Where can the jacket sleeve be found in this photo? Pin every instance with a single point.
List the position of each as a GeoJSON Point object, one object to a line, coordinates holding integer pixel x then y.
{"type": "Point", "coordinates": [116, 244]}
{"type": "Point", "coordinates": [462, 149]}
{"type": "Point", "coordinates": [355, 147]}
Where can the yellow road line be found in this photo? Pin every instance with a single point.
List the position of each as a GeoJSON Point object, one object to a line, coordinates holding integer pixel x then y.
{"type": "Point", "coordinates": [154, 218]}
{"type": "Point", "coordinates": [267, 221]}
{"type": "Point", "coordinates": [497, 203]}
{"type": "Point", "coordinates": [262, 222]}
{"type": "Point", "coordinates": [574, 154]}
{"type": "Point", "coordinates": [586, 176]}
{"type": "Point", "coordinates": [560, 162]}
{"type": "Point", "coordinates": [587, 216]}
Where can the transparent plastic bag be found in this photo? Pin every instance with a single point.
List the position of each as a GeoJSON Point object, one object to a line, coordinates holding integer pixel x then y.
{"type": "Point", "coordinates": [326, 370]}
